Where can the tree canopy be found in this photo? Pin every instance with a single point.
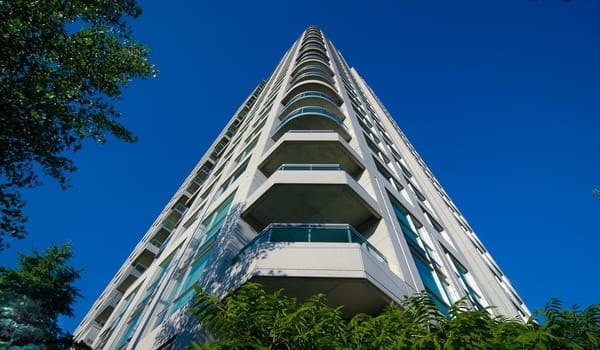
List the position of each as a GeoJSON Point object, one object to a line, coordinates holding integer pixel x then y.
{"type": "Point", "coordinates": [33, 296]}
{"type": "Point", "coordinates": [251, 318]}
{"type": "Point", "coordinates": [63, 65]}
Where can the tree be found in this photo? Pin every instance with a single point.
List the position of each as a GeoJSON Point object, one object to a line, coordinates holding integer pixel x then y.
{"type": "Point", "coordinates": [33, 296]}
{"type": "Point", "coordinates": [63, 65]}
{"type": "Point", "coordinates": [250, 318]}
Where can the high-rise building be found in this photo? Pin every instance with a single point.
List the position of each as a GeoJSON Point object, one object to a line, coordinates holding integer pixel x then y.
{"type": "Point", "coordinates": [311, 187]}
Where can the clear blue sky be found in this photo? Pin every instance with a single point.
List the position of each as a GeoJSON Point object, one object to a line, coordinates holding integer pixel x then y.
{"type": "Point", "coordinates": [500, 98]}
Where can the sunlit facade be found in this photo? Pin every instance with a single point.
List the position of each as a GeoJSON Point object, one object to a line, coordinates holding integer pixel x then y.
{"type": "Point", "coordinates": [311, 187]}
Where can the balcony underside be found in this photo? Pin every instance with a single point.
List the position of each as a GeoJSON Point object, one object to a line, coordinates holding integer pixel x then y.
{"type": "Point", "coordinates": [311, 197]}
{"type": "Point", "coordinates": [146, 256]}
{"type": "Point", "coordinates": [311, 148]}
{"type": "Point", "coordinates": [339, 291]}
{"type": "Point", "coordinates": [128, 281]}
{"type": "Point", "coordinates": [346, 273]}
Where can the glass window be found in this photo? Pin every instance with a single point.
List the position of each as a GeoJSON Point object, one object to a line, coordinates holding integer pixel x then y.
{"type": "Point", "coordinates": [236, 174]}
{"type": "Point", "coordinates": [464, 276]}
{"type": "Point", "coordinates": [246, 150]}
{"type": "Point", "coordinates": [428, 277]}
{"type": "Point", "coordinates": [130, 329]}
{"type": "Point", "coordinates": [388, 176]}
{"type": "Point", "coordinates": [422, 258]}
{"type": "Point", "coordinates": [187, 292]}
{"type": "Point", "coordinates": [212, 224]}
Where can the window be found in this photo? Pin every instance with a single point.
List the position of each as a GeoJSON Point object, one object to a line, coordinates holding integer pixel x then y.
{"type": "Point", "coordinates": [247, 150]}
{"type": "Point", "coordinates": [433, 222]}
{"type": "Point", "coordinates": [388, 176]}
{"type": "Point", "coordinates": [131, 326]}
{"type": "Point", "coordinates": [236, 174]}
{"type": "Point", "coordinates": [187, 292]}
{"type": "Point", "coordinates": [404, 170]}
{"type": "Point", "coordinates": [426, 266]}
{"type": "Point", "coordinates": [376, 150]}
{"type": "Point", "coordinates": [428, 277]}
{"type": "Point", "coordinates": [467, 283]}
{"type": "Point", "coordinates": [213, 222]}
{"type": "Point", "coordinates": [416, 192]}
{"type": "Point", "coordinates": [256, 131]}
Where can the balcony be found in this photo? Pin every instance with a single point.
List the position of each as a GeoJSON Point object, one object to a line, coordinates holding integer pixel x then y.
{"type": "Point", "coordinates": [311, 233]}
{"type": "Point", "coordinates": [312, 98]}
{"type": "Point", "coordinates": [312, 54]}
{"type": "Point", "coordinates": [108, 307]}
{"type": "Point", "coordinates": [311, 196]}
{"type": "Point", "coordinates": [312, 118]}
{"type": "Point", "coordinates": [312, 76]}
{"type": "Point", "coordinates": [128, 277]}
{"type": "Point", "coordinates": [312, 85]}
{"type": "Point", "coordinates": [162, 233]}
{"type": "Point", "coordinates": [305, 259]}
{"type": "Point", "coordinates": [311, 148]}
{"type": "Point", "coordinates": [315, 64]}
{"type": "Point", "coordinates": [144, 259]}
{"type": "Point", "coordinates": [313, 48]}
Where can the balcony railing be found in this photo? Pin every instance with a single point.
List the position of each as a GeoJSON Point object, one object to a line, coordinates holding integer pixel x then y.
{"type": "Point", "coordinates": [312, 75]}
{"type": "Point", "coordinates": [311, 167]}
{"type": "Point", "coordinates": [313, 110]}
{"type": "Point", "coordinates": [308, 94]}
{"type": "Point", "coordinates": [310, 233]}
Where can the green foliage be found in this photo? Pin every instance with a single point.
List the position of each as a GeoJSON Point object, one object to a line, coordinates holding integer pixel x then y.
{"type": "Point", "coordinates": [33, 296]}
{"type": "Point", "coordinates": [63, 64]}
{"type": "Point", "coordinates": [250, 318]}
{"type": "Point", "coordinates": [254, 319]}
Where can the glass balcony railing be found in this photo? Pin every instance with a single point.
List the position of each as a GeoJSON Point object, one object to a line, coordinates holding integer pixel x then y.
{"type": "Point", "coordinates": [312, 68]}
{"type": "Point", "coordinates": [311, 167]}
{"type": "Point", "coordinates": [312, 75]}
{"type": "Point", "coordinates": [309, 94]}
{"type": "Point", "coordinates": [312, 110]}
{"type": "Point", "coordinates": [310, 233]}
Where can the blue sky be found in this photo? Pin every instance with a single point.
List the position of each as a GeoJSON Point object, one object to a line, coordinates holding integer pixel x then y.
{"type": "Point", "coordinates": [500, 98]}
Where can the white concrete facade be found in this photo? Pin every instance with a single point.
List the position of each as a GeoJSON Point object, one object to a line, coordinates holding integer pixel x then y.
{"type": "Point", "coordinates": [311, 187]}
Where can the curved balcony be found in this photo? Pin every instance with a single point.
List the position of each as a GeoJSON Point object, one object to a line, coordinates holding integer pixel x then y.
{"type": "Point", "coordinates": [311, 148]}
{"type": "Point", "coordinates": [313, 34]}
{"type": "Point", "coordinates": [312, 76]}
{"type": "Point", "coordinates": [312, 85]}
{"type": "Point", "coordinates": [312, 98]}
{"type": "Point", "coordinates": [305, 259]}
{"type": "Point", "coordinates": [312, 40]}
{"type": "Point", "coordinates": [312, 118]}
{"type": "Point", "coordinates": [308, 94]}
{"type": "Point", "coordinates": [314, 64]}
{"type": "Point", "coordinates": [316, 44]}
{"type": "Point", "coordinates": [312, 54]}
{"type": "Point", "coordinates": [309, 68]}
{"type": "Point", "coordinates": [313, 47]}
{"type": "Point", "coordinates": [326, 195]}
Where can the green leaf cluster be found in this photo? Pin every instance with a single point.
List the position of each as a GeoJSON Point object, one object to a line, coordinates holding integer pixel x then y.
{"type": "Point", "coordinates": [63, 65]}
{"type": "Point", "coordinates": [33, 296]}
{"type": "Point", "coordinates": [251, 318]}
